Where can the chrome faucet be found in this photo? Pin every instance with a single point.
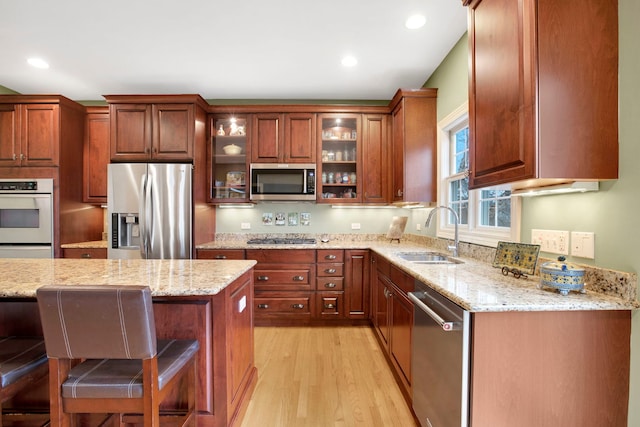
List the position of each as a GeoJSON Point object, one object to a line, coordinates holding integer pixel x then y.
{"type": "Point", "coordinates": [454, 247]}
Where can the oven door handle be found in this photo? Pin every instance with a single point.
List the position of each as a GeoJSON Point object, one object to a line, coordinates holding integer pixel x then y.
{"type": "Point", "coordinates": [446, 326]}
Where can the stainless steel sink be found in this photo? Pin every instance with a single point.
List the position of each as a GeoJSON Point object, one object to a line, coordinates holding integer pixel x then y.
{"type": "Point", "coordinates": [427, 258]}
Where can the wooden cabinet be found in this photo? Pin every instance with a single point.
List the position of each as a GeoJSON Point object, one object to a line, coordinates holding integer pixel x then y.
{"type": "Point", "coordinates": [330, 284]}
{"type": "Point", "coordinates": [220, 254]}
{"type": "Point", "coordinates": [32, 129]}
{"type": "Point", "coordinates": [393, 318]}
{"type": "Point", "coordinates": [356, 283]}
{"type": "Point", "coordinates": [230, 168]}
{"type": "Point", "coordinates": [534, 112]}
{"type": "Point", "coordinates": [96, 155]}
{"type": "Point", "coordinates": [375, 177]}
{"type": "Point", "coordinates": [283, 138]}
{"type": "Point", "coordinates": [340, 157]}
{"type": "Point", "coordinates": [284, 284]}
{"type": "Point", "coordinates": [84, 253]}
{"type": "Point", "coordinates": [414, 142]}
{"type": "Point", "coordinates": [154, 127]}
{"type": "Point", "coordinates": [561, 360]}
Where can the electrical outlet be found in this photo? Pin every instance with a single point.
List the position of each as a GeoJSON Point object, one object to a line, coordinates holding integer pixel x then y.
{"type": "Point", "coordinates": [355, 226]}
{"type": "Point", "coordinates": [553, 241]}
{"type": "Point", "coordinates": [418, 226]}
{"type": "Point", "coordinates": [245, 226]}
{"type": "Point", "coordinates": [583, 244]}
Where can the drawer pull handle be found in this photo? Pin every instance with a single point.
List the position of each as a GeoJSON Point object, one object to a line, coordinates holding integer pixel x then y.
{"type": "Point", "coordinates": [330, 285]}
{"type": "Point", "coordinates": [86, 255]}
{"type": "Point", "coordinates": [329, 306]}
{"type": "Point", "coordinates": [330, 270]}
{"type": "Point", "coordinates": [263, 278]}
{"type": "Point", "coordinates": [297, 306]}
{"type": "Point", "coordinates": [221, 256]}
{"type": "Point", "coordinates": [330, 257]}
{"type": "Point", "coordinates": [298, 278]}
{"type": "Point", "coordinates": [263, 306]}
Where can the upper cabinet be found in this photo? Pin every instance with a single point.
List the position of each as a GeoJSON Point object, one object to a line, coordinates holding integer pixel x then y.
{"type": "Point", "coordinates": [375, 179]}
{"type": "Point", "coordinates": [543, 92]}
{"type": "Point", "coordinates": [154, 127]}
{"type": "Point", "coordinates": [96, 155]}
{"type": "Point", "coordinates": [229, 165]}
{"type": "Point", "coordinates": [283, 138]}
{"type": "Point", "coordinates": [32, 128]}
{"type": "Point", "coordinates": [414, 142]}
{"type": "Point", "coordinates": [340, 155]}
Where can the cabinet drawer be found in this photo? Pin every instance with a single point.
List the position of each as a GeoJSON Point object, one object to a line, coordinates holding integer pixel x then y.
{"type": "Point", "coordinates": [286, 256]}
{"type": "Point", "coordinates": [100, 253]}
{"type": "Point", "coordinates": [331, 269]}
{"type": "Point", "coordinates": [220, 253]}
{"type": "Point", "coordinates": [330, 304]}
{"type": "Point", "coordinates": [330, 255]}
{"type": "Point", "coordinates": [330, 284]}
{"type": "Point", "coordinates": [275, 279]}
{"type": "Point", "coordinates": [402, 280]}
{"type": "Point", "coordinates": [294, 304]}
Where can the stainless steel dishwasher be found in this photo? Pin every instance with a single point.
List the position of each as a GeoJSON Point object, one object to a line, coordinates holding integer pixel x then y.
{"type": "Point", "coordinates": [439, 359]}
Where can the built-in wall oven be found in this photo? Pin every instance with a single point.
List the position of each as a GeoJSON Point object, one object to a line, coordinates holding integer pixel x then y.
{"type": "Point", "coordinates": [439, 359]}
{"type": "Point", "coordinates": [26, 218]}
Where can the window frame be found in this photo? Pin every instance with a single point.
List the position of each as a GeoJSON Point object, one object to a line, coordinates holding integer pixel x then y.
{"type": "Point", "coordinates": [472, 232]}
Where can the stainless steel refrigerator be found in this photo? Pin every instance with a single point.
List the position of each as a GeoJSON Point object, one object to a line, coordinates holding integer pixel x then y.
{"type": "Point", "coordinates": [149, 207]}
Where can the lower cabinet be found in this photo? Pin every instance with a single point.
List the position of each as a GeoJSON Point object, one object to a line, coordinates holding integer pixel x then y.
{"type": "Point", "coordinates": [99, 253]}
{"type": "Point", "coordinates": [220, 254]}
{"type": "Point", "coordinates": [393, 318]}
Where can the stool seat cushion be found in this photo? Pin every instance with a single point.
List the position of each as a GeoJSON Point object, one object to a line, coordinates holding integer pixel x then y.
{"type": "Point", "coordinates": [19, 356]}
{"type": "Point", "coordinates": [122, 378]}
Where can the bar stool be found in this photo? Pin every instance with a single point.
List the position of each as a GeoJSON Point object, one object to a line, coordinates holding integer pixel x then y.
{"type": "Point", "coordinates": [23, 363]}
{"type": "Point", "coordinates": [104, 357]}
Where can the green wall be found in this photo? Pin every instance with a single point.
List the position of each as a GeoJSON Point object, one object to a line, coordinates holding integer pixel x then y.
{"type": "Point", "coordinates": [610, 213]}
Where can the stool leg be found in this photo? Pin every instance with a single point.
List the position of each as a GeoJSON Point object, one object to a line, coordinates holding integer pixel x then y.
{"type": "Point", "coordinates": [58, 373]}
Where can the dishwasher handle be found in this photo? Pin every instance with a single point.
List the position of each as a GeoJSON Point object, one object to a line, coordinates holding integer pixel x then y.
{"type": "Point", "coordinates": [446, 326]}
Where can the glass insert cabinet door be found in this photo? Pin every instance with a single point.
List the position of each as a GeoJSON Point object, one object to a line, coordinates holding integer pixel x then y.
{"type": "Point", "coordinates": [229, 159]}
{"type": "Point", "coordinates": [338, 177]}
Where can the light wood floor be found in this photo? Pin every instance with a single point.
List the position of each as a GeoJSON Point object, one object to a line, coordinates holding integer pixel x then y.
{"type": "Point", "coordinates": [323, 376]}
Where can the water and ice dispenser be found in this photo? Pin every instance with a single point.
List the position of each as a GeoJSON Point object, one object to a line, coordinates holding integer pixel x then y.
{"type": "Point", "coordinates": [125, 231]}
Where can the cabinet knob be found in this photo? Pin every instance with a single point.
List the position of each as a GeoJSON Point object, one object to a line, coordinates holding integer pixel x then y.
{"type": "Point", "coordinates": [263, 278]}
{"type": "Point", "coordinates": [298, 278]}
{"type": "Point", "coordinates": [330, 257]}
{"type": "Point", "coordinates": [263, 306]}
{"type": "Point", "coordinates": [220, 256]}
{"type": "Point", "coordinates": [329, 306]}
{"type": "Point", "coordinates": [330, 270]}
{"type": "Point", "coordinates": [330, 285]}
{"type": "Point", "coordinates": [85, 255]}
{"type": "Point", "coordinates": [297, 306]}
{"type": "Point", "coordinates": [400, 192]}
{"type": "Point", "coordinates": [14, 156]}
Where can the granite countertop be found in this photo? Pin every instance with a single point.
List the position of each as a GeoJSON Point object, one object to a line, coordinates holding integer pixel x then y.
{"type": "Point", "coordinates": [97, 244]}
{"type": "Point", "coordinates": [476, 285]}
{"type": "Point", "coordinates": [21, 277]}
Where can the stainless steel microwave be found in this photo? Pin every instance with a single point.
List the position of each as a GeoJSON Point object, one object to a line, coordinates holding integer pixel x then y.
{"type": "Point", "coordinates": [283, 181]}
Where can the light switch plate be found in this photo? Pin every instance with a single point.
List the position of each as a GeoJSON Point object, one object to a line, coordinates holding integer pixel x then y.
{"type": "Point", "coordinates": [583, 244]}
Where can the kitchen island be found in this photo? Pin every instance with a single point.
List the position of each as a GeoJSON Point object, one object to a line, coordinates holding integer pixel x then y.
{"type": "Point", "coordinates": [207, 300]}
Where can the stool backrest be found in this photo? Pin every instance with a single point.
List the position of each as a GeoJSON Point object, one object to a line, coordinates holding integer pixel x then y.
{"type": "Point", "coordinates": [97, 321]}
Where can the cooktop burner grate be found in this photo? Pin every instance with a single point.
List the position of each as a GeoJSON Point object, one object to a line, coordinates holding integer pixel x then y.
{"type": "Point", "coordinates": [282, 241]}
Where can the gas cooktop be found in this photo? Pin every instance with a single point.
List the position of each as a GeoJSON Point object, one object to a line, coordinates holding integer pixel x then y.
{"type": "Point", "coordinates": [281, 241]}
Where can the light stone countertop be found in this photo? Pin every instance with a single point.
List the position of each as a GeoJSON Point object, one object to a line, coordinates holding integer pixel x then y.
{"type": "Point", "coordinates": [21, 277]}
{"type": "Point", "coordinates": [97, 244]}
{"type": "Point", "coordinates": [475, 286]}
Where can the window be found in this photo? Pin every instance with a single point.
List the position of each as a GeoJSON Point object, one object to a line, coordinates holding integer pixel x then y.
{"type": "Point", "coordinates": [486, 215]}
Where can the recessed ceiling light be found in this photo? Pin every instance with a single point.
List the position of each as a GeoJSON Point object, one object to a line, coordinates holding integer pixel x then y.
{"type": "Point", "coordinates": [415, 21]}
{"type": "Point", "coordinates": [38, 63]}
{"type": "Point", "coordinates": [349, 61]}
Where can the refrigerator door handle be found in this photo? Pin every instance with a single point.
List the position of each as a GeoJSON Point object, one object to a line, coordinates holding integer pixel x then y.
{"type": "Point", "coordinates": [143, 220]}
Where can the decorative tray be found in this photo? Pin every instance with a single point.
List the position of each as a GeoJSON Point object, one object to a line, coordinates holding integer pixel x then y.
{"type": "Point", "coordinates": [517, 258]}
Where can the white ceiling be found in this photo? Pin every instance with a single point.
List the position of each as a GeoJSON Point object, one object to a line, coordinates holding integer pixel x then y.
{"type": "Point", "coordinates": [241, 49]}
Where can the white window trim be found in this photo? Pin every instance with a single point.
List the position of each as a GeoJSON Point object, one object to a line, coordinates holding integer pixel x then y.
{"type": "Point", "coordinates": [472, 233]}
